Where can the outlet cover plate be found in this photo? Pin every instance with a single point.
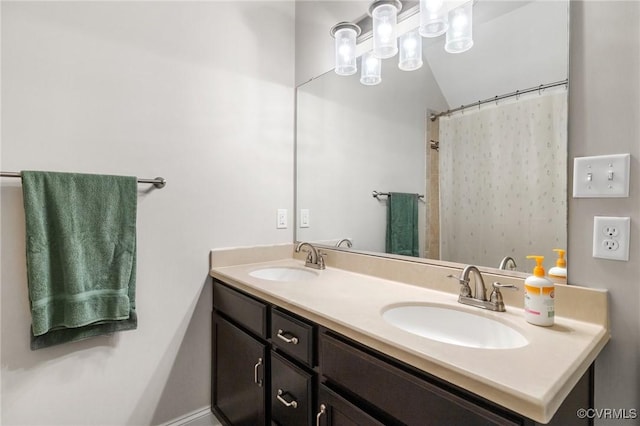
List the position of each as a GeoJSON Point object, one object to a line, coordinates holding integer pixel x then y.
{"type": "Point", "coordinates": [601, 176]}
{"type": "Point", "coordinates": [611, 237]}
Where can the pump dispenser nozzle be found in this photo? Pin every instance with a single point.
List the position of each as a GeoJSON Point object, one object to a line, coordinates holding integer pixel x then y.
{"type": "Point", "coordinates": [538, 270]}
{"type": "Point", "coordinates": [560, 262]}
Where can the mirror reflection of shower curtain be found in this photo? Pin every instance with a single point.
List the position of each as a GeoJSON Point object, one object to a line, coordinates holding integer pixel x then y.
{"type": "Point", "coordinates": [503, 185]}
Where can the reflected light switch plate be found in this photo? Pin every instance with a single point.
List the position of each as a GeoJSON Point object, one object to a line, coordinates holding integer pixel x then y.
{"type": "Point", "coordinates": [304, 218]}
{"type": "Point", "coordinates": [602, 176]}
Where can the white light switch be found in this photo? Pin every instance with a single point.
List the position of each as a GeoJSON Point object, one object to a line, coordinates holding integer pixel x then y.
{"type": "Point", "coordinates": [602, 176]}
{"type": "Point", "coordinates": [304, 218]}
{"type": "Point", "coordinates": [282, 219]}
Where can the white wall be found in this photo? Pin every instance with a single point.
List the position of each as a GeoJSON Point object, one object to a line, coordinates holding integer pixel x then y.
{"type": "Point", "coordinates": [604, 107]}
{"type": "Point", "coordinates": [200, 93]}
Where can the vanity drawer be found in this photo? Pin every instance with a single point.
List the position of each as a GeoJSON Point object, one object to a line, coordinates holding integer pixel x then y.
{"type": "Point", "coordinates": [407, 398]}
{"type": "Point", "coordinates": [293, 336]}
{"type": "Point", "coordinates": [245, 310]}
{"type": "Point", "coordinates": [291, 393]}
{"type": "Point", "coordinates": [334, 410]}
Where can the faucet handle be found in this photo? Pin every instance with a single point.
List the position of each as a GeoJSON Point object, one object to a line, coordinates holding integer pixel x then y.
{"type": "Point", "coordinates": [496, 296]}
{"type": "Point", "coordinates": [321, 256]}
{"type": "Point", "coordinates": [497, 286]}
{"type": "Point", "coordinates": [460, 280]}
{"type": "Point", "coordinates": [465, 290]}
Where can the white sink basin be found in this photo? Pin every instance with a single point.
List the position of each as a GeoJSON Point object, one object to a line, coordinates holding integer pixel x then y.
{"type": "Point", "coordinates": [454, 326]}
{"type": "Point", "coordinates": [283, 273]}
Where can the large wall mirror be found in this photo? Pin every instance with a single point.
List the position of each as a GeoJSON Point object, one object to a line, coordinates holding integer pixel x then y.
{"type": "Point", "coordinates": [492, 177]}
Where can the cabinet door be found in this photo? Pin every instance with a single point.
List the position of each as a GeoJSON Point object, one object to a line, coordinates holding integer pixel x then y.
{"type": "Point", "coordinates": [333, 410]}
{"type": "Point", "coordinates": [238, 368]}
{"type": "Point", "coordinates": [291, 393]}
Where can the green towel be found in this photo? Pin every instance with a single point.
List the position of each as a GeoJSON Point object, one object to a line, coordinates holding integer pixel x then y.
{"type": "Point", "coordinates": [402, 224]}
{"type": "Point", "coordinates": [81, 255]}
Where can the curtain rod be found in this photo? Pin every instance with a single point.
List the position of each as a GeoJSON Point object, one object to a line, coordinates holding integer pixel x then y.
{"type": "Point", "coordinates": [517, 93]}
{"type": "Point", "coordinates": [158, 182]}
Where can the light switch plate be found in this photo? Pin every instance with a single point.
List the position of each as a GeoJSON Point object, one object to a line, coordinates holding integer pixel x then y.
{"type": "Point", "coordinates": [281, 219]}
{"type": "Point", "coordinates": [602, 176]}
{"type": "Point", "coordinates": [611, 237]}
{"type": "Point", "coordinates": [304, 218]}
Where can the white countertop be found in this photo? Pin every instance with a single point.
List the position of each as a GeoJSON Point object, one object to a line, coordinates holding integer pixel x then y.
{"type": "Point", "coordinates": [532, 380]}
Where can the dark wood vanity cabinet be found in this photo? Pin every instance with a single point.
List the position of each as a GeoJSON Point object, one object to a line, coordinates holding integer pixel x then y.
{"type": "Point", "coordinates": [272, 367]}
{"type": "Point", "coordinates": [262, 362]}
{"type": "Point", "coordinates": [238, 382]}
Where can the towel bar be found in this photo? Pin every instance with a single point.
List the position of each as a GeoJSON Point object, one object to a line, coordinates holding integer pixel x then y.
{"type": "Point", "coordinates": [376, 195]}
{"type": "Point", "coordinates": [158, 182]}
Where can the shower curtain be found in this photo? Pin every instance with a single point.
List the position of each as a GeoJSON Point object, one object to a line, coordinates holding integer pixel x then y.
{"type": "Point", "coordinates": [503, 180]}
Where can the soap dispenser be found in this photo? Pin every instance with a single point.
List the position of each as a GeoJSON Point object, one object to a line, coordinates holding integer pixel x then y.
{"type": "Point", "coordinates": [539, 296]}
{"type": "Point", "coordinates": [558, 273]}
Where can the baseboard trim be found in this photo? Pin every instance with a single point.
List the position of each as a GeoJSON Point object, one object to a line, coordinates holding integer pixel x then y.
{"type": "Point", "coordinates": [194, 415]}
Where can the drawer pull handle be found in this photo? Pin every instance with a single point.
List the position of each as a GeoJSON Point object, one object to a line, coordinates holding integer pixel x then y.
{"type": "Point", "coordinates": [281, 336]}
{"type": "Point", "coordinates": [293, 403]}
{"type": "Point", "coordinates": [323, 409]}
{"type": "Point", "coordinates": [255, 372]}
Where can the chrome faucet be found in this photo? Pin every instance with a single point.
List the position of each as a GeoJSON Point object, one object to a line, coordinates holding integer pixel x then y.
{"type": "Point", "coordinates": [479, 296]}
{"type": "Point", "coordinates": [504, 263]}
{"type": "Point", "coordinates": [347, 242]}
{"type": "Point", "coordinates": [315, 258]}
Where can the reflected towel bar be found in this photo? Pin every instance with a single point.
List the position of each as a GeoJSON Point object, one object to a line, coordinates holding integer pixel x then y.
{"type": "Point", "coordinates": [158, 182]}
{"type": "Point", "coordinates": [376, 195]}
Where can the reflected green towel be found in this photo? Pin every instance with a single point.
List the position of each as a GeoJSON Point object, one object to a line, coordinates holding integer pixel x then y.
{"type": "Point", "coordinates": [402, 224]}
{"type": "Point", "coordinates": [81, 255]}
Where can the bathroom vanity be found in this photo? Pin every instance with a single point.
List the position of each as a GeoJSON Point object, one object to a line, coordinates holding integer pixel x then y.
{"type": "Point", "coordinates": [298, 347]}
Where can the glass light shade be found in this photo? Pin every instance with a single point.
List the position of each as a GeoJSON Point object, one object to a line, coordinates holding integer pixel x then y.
{"type": "Point", "coordinates": [434, 19]}
{"type": "Point", "coordinates": [385, 32]}
{"type": "Point", "coordinates": [371, 68]}
{"type": "Point", "coordinates": [345, 35]}
{"type": "Point", "coordinates": [460, 32]}
{"type": "Point", "coordinates": [410, 51]}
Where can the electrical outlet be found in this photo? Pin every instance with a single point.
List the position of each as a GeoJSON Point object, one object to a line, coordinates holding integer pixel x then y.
{"type": "Point", "coordinates": [610, 245]}
{"type": "Point", "coordinates": [281, 219]}
{"type": "Point", "coordinates": [611, 237]}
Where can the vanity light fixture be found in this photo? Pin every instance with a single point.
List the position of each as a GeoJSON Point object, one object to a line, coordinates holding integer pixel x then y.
{"type": "Point", "coordinates": [410, 51]}
{"type": "Point", "coordinates": [371, 67]}
{"type": "Point", "coordinates": [384, 14]}
{"type": "Point", "coordinates": [345, 34]}
{"type": "Point", "coordinates": [428, 18]}
{"type": "Point", "coordinates": [460, 31]}
{"type": "Point", "coordinates": [434, 18]}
